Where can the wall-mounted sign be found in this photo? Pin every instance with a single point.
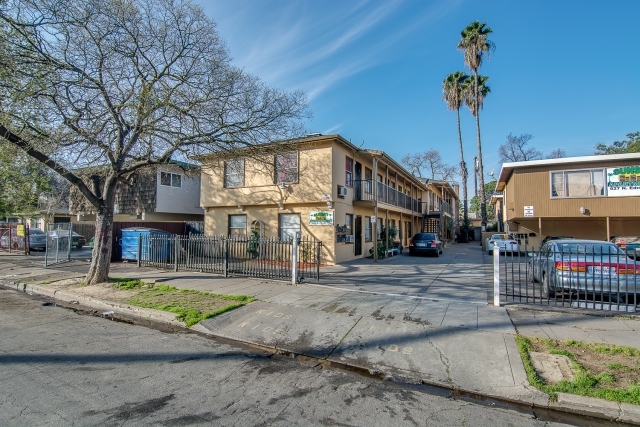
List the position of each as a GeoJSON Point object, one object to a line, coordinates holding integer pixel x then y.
{"type": "Point", "coordinates": [321, 218]}
{"type": "Point", "coordinates": [623, 181]}
{"type": "Point", "coordinates": [326, 197]}
{"type": "Point", "coordinates": [373, 219]}
{"type": "Point", "coordinates": [528, 211]}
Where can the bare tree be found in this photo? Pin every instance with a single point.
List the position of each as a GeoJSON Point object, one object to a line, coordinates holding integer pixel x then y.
{"type": "Point", "coordinates": [107, 87]}
{"type": "Point", "coordinates": [55, 199]}
{"type": "Point", "coordinates": [429, 164]}
{"type": "Point", "coordinates": [558, 153]}
{"type": "Point", "coordinates": [515, 149]}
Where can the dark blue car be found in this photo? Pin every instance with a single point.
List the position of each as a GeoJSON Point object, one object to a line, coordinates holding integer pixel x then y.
{"type": "Point", "coordinates": [425, 243]}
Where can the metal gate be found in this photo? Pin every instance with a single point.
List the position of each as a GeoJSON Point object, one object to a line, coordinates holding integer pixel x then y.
{"type": "Point", "coordinates": [59, 243]}
{"type": "Point", "coordinates": [593, 275]}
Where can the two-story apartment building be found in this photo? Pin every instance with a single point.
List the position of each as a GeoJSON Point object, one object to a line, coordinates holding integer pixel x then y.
{"type": "Point", "coordinates": [591, 197]}
{"type": "Point", "coordinates": [323, 186]}
{"type": "Point", "coordinates": [168, 192]}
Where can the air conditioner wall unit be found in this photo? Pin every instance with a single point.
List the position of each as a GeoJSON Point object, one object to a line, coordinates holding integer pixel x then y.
{"type": "Point", "coordinates": [342, 191]}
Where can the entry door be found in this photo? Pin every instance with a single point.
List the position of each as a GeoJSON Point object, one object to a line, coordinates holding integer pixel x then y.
{"type": "Point", "coordinates": [357, 231]}
{"type": "Point", "coordinates": [357, 182]}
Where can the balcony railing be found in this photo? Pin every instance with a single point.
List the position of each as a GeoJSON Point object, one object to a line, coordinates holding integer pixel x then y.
{"type": "Point", "coordinates": [363, 190]}
{"type": "Point", "coordinates": [443, 207]}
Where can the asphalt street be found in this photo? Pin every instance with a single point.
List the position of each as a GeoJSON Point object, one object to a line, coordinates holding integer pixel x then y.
{"type": "Point", "coordinates": [63, 368]}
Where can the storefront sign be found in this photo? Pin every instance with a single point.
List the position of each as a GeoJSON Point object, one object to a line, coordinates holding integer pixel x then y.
{"type": "Point", "coordinates": [623, 181]}
{"type": "Point", "coordinates": [321, 218]}
{"type": "Point", "coordinates": [528, 211]}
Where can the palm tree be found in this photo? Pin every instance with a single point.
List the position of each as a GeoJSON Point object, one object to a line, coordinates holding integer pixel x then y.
{"type": "Point", "coordinates": [470, 99]}
{"type": "Point", "coordinates": [474, 44]}
{"type": "Point", "coordinates": [454, 88]}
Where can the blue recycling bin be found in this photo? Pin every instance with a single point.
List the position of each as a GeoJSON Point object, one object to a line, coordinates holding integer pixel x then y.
{"type": "Point", "coordinates": [157, 245]}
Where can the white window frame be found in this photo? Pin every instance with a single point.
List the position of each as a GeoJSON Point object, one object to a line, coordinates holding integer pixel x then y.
{"type": "Point", "coordinates": [286, 173]}
{"type": "Point", "coordinates": [288, 233]}
{"type": "Point", "coordinates": [242, 231]}
{"type": "Point", "coordinates": [368, 227]}
{"type": "Point", "coordinates": [174, 178]}
{"type": "Point", "coordinates": [591, 183]}
{"type": "Point", "coordinates": [234, 169]}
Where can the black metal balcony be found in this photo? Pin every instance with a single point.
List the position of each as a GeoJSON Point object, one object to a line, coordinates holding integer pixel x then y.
{"type": "Point", "coordinates": [363, 191]}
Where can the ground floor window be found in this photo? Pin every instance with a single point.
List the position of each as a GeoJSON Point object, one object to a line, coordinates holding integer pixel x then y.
{"type": "Point", "coordinates": [367, 229]}
{"type": "Point", "coordinates": [289, 224]}
{"type": "Point", "coordinates": [237, 225]}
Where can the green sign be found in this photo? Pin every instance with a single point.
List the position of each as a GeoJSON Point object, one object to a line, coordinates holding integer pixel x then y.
{"type": "Point", "coordinates": [321, 218]}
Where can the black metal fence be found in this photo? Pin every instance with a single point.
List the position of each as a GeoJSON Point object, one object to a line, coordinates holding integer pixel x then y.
{"type": "Point", "coordinates": [594, 275]}
{"type": "Point", "coordinates": [232, 256]}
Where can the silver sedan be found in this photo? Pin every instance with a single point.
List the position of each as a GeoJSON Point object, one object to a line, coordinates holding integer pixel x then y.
{"type": "Point", "coordinates": [584, 266]}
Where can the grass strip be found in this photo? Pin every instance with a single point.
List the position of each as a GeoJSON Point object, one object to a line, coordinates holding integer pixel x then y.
{"type": "Point", "coordinates": [584, 383]}
{"type": "Point", "coordinates": [183, 301]}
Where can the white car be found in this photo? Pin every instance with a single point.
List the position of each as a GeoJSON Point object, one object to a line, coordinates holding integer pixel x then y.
{"type": "Point", "coordinates": [505, 242]}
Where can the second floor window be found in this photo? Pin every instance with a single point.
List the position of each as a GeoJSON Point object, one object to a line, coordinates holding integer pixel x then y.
{"type": "Point", "coordinates": [169, 179]}
{"type": "Point", "coordinates": [234, 173]}
{"type": "Point", "coordinates": [348, 178]}
{"type": "Point", "coordinates": [286, 166]}
{"type": "Point", "coordinates": [578, 183]}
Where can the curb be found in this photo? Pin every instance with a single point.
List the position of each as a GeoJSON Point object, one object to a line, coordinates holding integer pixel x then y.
{"type": "Point", "coordinates": [566, 405]}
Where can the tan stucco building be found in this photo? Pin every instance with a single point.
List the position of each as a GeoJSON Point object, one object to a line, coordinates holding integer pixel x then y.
{"type": "Point", "coordinates": [326, 188]}
{"type": "Point", "coordinates": [592, 197]}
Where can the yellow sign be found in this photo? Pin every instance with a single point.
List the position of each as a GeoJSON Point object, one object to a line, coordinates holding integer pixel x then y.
{"type": "Point", "coordinates": [20, 230]}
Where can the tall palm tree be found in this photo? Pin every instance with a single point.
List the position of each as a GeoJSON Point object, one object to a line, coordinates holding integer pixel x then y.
{"type": "Point", "coordinates": [470, 99]}
{"type": "Point", "coordinates": [454, 88]}
{"type": "Point", "coordinates": [474, 44]}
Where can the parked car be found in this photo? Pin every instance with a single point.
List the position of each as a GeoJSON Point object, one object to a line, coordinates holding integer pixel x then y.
{"type": "Point", "coordinates": [629, 244]}
{"type": "Point", "coordinates": [585, 266]}
{"type": "Point", "coordinates": [505, 243]}
{"type": "Point", "coordinates": [547, 238]}
{"type": "Point", "coordinates": [77, 240]}
{"type": "Point", "coordinates": [426, 243]}
{"type": "Point", "coordinates": [37, 240]}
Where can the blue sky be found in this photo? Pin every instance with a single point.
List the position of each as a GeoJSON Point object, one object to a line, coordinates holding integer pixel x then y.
{"type": "Point", "coordinates": [564, 71]}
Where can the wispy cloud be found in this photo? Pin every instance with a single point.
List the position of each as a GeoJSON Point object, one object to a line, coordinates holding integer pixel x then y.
{"type": "Point", "coordinates": [313, 46]}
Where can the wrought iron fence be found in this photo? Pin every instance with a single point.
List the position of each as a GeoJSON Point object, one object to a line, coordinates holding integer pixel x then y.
{"type": "Point", "coordinates": [232, 256]}
{"type": "Point", "coordinates": [594, 275]}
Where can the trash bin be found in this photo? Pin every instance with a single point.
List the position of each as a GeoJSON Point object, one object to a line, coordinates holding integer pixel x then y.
{"type": "Point", "coordinates": [156, 244]}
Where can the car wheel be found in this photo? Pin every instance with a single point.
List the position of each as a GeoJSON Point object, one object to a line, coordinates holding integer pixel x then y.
{"type": "Point", "coordinates": [79, 246]}
{"type": "Point", "coordinates": [547, 292]}
{"type": "Point", "coordinates": [489, 252]}
{"type": "Point", "coordinates": [437, 254]}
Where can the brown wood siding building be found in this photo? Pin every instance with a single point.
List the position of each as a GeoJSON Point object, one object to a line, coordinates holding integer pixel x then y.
{"type": "Point", "coordinates": [531, 208]}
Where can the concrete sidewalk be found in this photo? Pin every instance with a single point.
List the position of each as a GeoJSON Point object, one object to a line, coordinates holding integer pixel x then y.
{"type": "Point", "coordinates": [458, 345]}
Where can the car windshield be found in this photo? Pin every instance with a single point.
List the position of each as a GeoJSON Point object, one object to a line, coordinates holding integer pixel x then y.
{"type": "Point", "coordinates": [589, 249]}
{"type": "Point", "coordinates": [35, 231]}
{"type": "Point", "coordinates": [498, 237]}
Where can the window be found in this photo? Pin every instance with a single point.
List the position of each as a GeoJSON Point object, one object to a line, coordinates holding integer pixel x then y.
{"type": "Point", "coordinates": [368, 237]}
{"type": "Point", "coordinates": [348, 178]}
{"type": "Point", "coordinates": [286, 168]}
{"type": "Point", "coordinates": [578, 183]}
{"type": "Point", "coordinates": [368, 176]}
{"type": "Point", "coordinates": [234, 173]}
{"type": "Point", "coordinates": [348, 222]}
{"type": "Point", "coordinates": [169, 179]}
{"type": "Point", "coordinates": [289, 224]}
{"type": "Point", "coordinates": [237, 225]}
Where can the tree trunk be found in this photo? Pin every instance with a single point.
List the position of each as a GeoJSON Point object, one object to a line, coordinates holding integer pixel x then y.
{"type": "Point", "coordinates": [101, 259]}
{"type": "Point", "coordinates": [483, 202]}
{"type": "Point", "coordinates": [463, 172]}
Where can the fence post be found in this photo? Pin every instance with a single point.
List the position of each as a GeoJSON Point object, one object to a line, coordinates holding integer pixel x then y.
{"type": "Point", "coordinates": [176, 252]}
{"type": "Point", "coordinates": [225, 256]}
{"type": "Point", "coordinates": [496, 276]}
{"type": "Point", "coordinates": [318, 253]}
{"type": "Point", "coordinates": [294, 259]}
{"type": "Point", "coordinates": [139, 255]}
